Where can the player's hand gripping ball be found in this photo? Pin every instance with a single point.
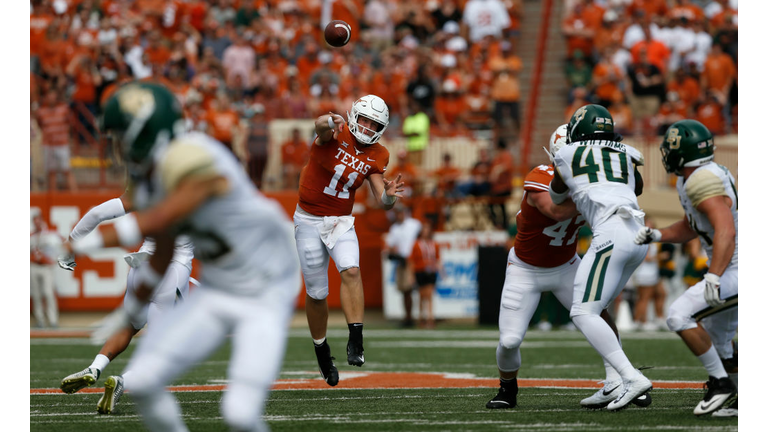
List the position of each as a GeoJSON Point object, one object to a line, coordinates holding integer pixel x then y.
{"type": "Point", "coordinates": [337, 33]}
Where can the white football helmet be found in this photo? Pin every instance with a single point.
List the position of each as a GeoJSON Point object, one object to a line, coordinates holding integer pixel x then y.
{"type": "Point", "coordinates": [374, 108]}
{"type": "Point", "coordinates": [557, 141]}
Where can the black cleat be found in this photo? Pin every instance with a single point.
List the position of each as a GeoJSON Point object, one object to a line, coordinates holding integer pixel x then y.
{"type": "Point", "coordinates": [355, 356]}
{"type": "Point", "coordinates": [643, 401]}
{"type": "Point", "coordinates": [719, 390]}
{"type": "Point", "coordinates": [506, 398]}
{"type": "Point", "coordinates": [325, 361]}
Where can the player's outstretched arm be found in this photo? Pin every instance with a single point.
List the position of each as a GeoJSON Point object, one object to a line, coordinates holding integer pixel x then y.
{"type": "Point", "coordinates": [543, 202]}
{"type": "Point", "coordinates": [717, 209]}
{"type": "Point", "coordinates": [678, 232]}
{"type": "Point", "coordinates": [105, 211]}
{"type": "Point", "coordinates": [328, 126]}
{"type": "Point", "coordinates": [387, 191]}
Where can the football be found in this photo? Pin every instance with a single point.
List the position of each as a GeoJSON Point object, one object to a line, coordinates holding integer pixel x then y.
{"type": "Point", "coordinates": [337, 33]}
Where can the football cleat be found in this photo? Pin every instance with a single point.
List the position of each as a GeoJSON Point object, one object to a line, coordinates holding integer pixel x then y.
{"type": "Point", "coordinates": [355, 356]}
{"type": "Point", "coordinates": [719, 390]}
{"type": "Point", "coordinates": [113, 389]}
{"type": "Point", "coordinates": [506, 398]}
{"type": "Point", "coordinates": [610, 391]}
{"type": "Point", "coordinates": [633, 388]}
{"type": "Point", "coordinates": [325, 361]}
{"type": "Point", "coordinates": [731, 410]}
{"type": "Point", "coordinates": [80, 380]}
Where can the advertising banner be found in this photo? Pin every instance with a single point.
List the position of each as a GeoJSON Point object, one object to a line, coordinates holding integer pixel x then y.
{"type": "Point", "coordinates": [456, 289]}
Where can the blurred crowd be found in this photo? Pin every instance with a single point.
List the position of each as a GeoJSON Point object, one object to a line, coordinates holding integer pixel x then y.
{"type": "Point", "coordinates": [654, 62]}
{"type": "Point", "coordinates": [235, 65]}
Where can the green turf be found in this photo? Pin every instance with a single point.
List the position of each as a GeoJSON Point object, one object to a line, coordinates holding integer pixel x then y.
{"type": "Point", "coordinates": [468, 351]}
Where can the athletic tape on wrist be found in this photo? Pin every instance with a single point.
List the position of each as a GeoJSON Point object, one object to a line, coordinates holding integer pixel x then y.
{"type": "Point", "coordinates": [558, 198]}
{"type": "Point", "coordinates": [128, 232]}
{"type": "Point", "coordinates": [331, 124]}
{"type": "Point", "coordinates": [386, 199]}
{"type": "Point", "coordinates": [91, 242]}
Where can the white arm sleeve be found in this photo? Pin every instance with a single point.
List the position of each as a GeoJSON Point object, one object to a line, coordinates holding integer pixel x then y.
{"type": "Point", "coordinates": [105, 211]}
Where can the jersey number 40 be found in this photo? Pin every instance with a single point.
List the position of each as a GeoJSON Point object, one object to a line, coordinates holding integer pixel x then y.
{"type": "Point", "coordinates": [592, 169]}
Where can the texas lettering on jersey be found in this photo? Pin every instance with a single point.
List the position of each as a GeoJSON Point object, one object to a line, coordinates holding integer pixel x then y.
{"type": "Point", "coordinates": [334, 172]}
{"type": "Point", "coordinates": [541, 241]}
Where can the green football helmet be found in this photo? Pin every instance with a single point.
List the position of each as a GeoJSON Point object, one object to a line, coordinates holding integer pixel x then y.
{"type": "Point", "coordinates": [142, 117]}
{"type": "Point", "coordinates": [687, 143]}
{"type": "Point", "coordinates": [591, 122]}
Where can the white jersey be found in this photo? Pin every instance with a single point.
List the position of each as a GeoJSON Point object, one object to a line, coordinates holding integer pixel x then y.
{"type": "Point", "coordinates": [601, 178]}
{"type": "Point", "coordinates": [242, 239]}
{"type": "Point", "coordinates": [705, 182]}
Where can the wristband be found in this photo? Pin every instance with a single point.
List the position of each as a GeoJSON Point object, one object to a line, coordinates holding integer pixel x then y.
{"type": "Point", "coordinates": [128, 232]}
{"type": "Point", "coordinates": [388, 200]}
{"type": "Point", "coordinates": [331, 124]}
{"type": "Point", "coordinates": [88, 243]}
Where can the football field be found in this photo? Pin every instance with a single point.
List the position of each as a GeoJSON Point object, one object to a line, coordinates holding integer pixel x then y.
{"type": "Point", "coordinates": [413, 380]}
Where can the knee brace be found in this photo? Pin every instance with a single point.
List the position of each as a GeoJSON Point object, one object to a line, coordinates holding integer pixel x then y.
{"type": "Point", "coordinates": [510, 341]}
{"type": "Point", "coordinates": [508, 359]}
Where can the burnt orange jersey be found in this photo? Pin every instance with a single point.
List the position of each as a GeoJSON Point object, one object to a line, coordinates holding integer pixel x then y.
{"type": "Point", "coordinates": [334, 172]}
{"type": "Point", "coordinates": [541, 241]}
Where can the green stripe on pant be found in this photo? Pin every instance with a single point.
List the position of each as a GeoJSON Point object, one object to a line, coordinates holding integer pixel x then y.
{"type": "Point", "coordinates": [595, 285]}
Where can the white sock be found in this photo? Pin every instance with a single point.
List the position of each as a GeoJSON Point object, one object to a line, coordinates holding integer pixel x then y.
{"type": "Point", "coordinates": [603, 340]}
{"type": "Point", "coordinates": [125, 376]}
{"type": "Point", "coordinates": [712, 363]}
{"type": "Point", "coordinates": [319, 342]}
{"type": "Point", "coordinates": [100, 362]}
{"type": "Point", "coordinates": [611, 374]}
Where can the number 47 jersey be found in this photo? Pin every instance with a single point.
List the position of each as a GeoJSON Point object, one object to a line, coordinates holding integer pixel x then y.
{"type": "Point", "coordinates": [601, 177]}
{"type": "Point", "coordinates": [334, 172]}
{"type": "Point", "coordinates": [541, 241]}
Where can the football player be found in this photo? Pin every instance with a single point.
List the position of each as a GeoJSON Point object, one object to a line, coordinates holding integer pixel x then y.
{"type": "Point", "coordinates": [174, 287]}
{"type": "Point", "coordinates": [343, 155]}
{"type": "Point", "coordinates": [544, 258]}
{"type": "Point", "coordinates": [706, 315]}
{"type": "Point", "coordinates": [189, 183]}
{"type": "Point", "coordinates": [599, 174]}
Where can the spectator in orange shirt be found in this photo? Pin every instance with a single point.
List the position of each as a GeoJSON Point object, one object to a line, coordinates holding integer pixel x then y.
{"type": "Point", "coordinates": [505, 90]}
{"type": "Point", "coordinates": [658, 53]}
{"type": "Point", "coordinates": [502, 171]}
{"type": "Point", "coordinates": [450, 109]}
{"type": "Point", "coordinates": [719, 73]}
{"type": "Point", "coordinates": [580, 98]}
{"type": "Point", "coordinates": [651, 8]}
{"type": "Point", "coordinates": [447, 176]}
{"type": "Point", "coordinates": [479, 184]}
{"type": "Point", "coordinates": [606, 79]}
{"type": "Point", "coordinates": [621, 113]}
{"type": "Point", "coordinates": [579, 34]}
{"type": "Point", "coordinates": [295, 154]}
{"type": "Point", "coordinates": [710, 114]}
{"type": "Point", "coordinates": [425, 265]}
{"type": "Point", "coordinates": [408, 175]}
{"type": "Point", "coordinates": [223, 121]}
{"type": "Point", "coordinates": [686, 87]}
{"type": "Point", "coordinates": [672, 109]}
{"type": "Point", "coordinates": [686, 9]}
{"type": "Point", "coordinates": [55, 118]}
{"type": "Point", "coordinates": [157, 53]}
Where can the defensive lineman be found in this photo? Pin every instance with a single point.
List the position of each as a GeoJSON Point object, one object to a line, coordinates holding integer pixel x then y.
{"type": "Point", "coordinates": [189, 183]}
{"type": "Point", "coordinates": [173, 288]}
{"type": "Point", "coordinates": [342, 157]}
{"type": "Point", "coordinates": [706, 315]}
{"type": "Point", "coordinates": [600, 175]}
{"type": "Point", "coordinates": [544, 259]}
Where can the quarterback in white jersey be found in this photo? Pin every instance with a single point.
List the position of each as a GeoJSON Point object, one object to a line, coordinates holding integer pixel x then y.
{"type": "Point", "coordinates": [599, 174]}
{"type": "Point", "coordinates": [189, 183]}
{"type": "Point", "coordinates": [173, 288]}
{"type": "Point", "coordinates": [706, 315]}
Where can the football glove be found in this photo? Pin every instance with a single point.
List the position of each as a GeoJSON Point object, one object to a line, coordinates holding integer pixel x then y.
{"type": "Point", "coordinates": [67, 261]}
{"type": "Point", "coordinates": [712, 290]}
{"type": "Point", "coordinates": [646, 235]}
